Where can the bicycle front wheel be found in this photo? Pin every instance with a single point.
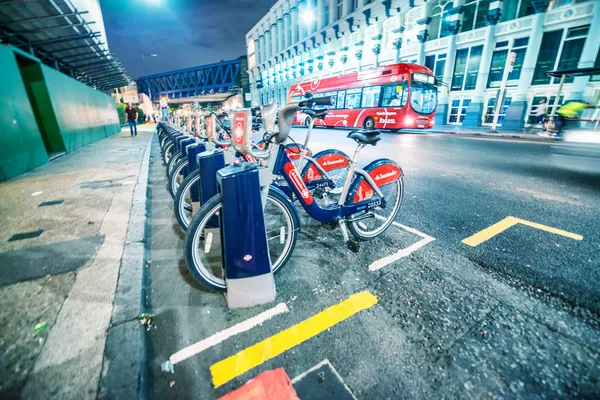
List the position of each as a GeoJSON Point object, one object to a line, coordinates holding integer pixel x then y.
{"type": "Point", "coordinates": [186, 205]}
{"type": "Point", "coordinates": [203, 248]}
{"type": "Point", "coordinates": [176, 176]}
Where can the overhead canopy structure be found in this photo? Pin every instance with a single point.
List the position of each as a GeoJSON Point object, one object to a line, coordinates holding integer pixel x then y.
{"type": "Point", "coordinates": [574, 72]}
{"type": "Point", "coordinates": [60, 36]}
{"type": "Point", "coordinates": [205, 83]}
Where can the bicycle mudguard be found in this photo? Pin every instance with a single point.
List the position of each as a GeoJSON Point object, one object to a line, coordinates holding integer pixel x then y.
{"type": "Point", "coordinates": [328, 160]}
{"type": "Point", "coordinates": [383, 171]}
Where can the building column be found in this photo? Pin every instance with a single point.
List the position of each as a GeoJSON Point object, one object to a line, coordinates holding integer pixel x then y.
{"type": "Point", "coordinates": [588, 57]}
{"type": "Point", "coordinates": [274, 37]}
{"type": "Point", "coordinates": [281, 30]}
{"type": "Point", "coordinates": [268, 45]}
{"type": "Point", "coordinates": [321, 14]}
{"type": "Point", "coordinates": [423, 36]}
{"type": "Point", "coordinates": [332, 11]}
{"type": "Point", "coordinates": [441, 116]}
{"type": "Point", "coordinates": [517, 110]}
{"type": "Point", "coordinates": [286, 31]}
{"type": "Point", "coordinates": [347, 7]}
{"type": "Point", "coordinates": [256, 51]}
{"type": "Point", "coordinates": [475, 109]}
{"type": "Point", "coordinates": [294, 24]}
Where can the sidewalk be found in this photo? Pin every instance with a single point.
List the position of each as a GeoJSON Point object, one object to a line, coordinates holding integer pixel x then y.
{"type": "Point", "coordinates": [71, 257]}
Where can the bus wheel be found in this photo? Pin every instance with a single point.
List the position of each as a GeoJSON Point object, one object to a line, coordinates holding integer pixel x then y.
{"type": "Point", "coordinates": [307, 122]}
{"type": "Point", "coordinates": [369, 123]}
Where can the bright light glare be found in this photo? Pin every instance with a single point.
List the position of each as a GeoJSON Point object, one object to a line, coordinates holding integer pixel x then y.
{"type": "Point", "coordinates": [308, 16]}
{"type": "Point", "coordinates": [154, 2]}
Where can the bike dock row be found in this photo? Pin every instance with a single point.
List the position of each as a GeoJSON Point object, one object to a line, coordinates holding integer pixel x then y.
{"type": "Point", "coordinates": [402, 317]}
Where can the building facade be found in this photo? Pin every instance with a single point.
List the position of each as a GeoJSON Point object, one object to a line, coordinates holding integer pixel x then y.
{"type": "Point", "coordinates": [464, 42]}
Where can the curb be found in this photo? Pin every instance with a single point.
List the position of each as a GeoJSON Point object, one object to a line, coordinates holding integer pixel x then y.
{"type": "Point", "coordinates": [517, 136]}
{"type": "Point", "coordinates": [124, 366]}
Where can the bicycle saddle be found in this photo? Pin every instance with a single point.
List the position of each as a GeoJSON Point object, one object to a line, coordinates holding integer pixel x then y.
{"type": "Point", "coordinates": [321, 113]}
{"type": "Point", "coordinates": [366, 136]}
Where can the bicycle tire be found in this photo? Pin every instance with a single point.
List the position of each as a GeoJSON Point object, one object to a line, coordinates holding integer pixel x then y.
{"type": "Point", "coordinates": [179, 204]}
{"type": "Point", "coordinates": [195, 233]}
{"type": "Point", "coordinates": [175, 172]}
{"type": "Point", "coordinates": [173, 161]}
{"type": "Point", "coordinates": [359, 232]}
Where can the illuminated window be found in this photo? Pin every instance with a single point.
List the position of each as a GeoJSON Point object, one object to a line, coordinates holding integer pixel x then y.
{"type": "Point", "coordinates": [466, 68]}
{"type": "Point", "coordinates": [474, 14]}
{"type": "Point", "coordinates": [458, 111]}
{"type": "Point", "coordinates": [560, 49]}
{"type": "Point", "coordinates": [499, 62]}
{"type": "Point", "coordinates": [512, 9]}
{"type": "Point", "coordinates": [370, 96]}
{"type": "Point", "coordinates": [436, 63]}
{"type": "Point", "coordinates": [353, 98]}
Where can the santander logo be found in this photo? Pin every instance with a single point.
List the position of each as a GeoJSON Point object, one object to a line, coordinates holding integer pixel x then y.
{"type": "Point", "coordinates": [333, 162]}
{"type": "Point", "coordinates": [383, 176]}
{"type": "Point", "coordinates": [239, 129]}
{"type": "Point", "coordinates": [298, 183]}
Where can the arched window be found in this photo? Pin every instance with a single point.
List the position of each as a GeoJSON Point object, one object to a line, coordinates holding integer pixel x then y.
{"type": "Point", "coordinates": [440, 21]}
{"type": "Point", "coordinates": [474, 14]}
{"type": "Point", "coordinates": [434, 25]}
{"type": "Point", "coordinates": [512, 9]}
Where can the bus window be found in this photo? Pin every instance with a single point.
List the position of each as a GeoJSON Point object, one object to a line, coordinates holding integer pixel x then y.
{"type": "Point", "coordinates": [353, 98]}
{"type": "Point", "coordinates": [370, 96]}
{"type": "Point", "coordinates": [395, 95]}
{"type": "Point", "coordinates": [423, 93]}
{"type": "Point", "coordinates": [341, 99]}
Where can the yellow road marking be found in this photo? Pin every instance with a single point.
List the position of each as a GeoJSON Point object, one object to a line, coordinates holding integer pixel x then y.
{"type": "Point", "coordinates": [508, 222]}
{"type": "Point", "coordinates": [232, 367]}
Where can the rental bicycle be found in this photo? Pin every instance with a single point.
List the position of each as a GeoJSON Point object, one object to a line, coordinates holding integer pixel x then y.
{"type": "Point", "coordinates": [368, 202]}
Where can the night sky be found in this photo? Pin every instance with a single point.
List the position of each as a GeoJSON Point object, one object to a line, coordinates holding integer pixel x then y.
{"type": "Point", "coordinates": [184, 33]}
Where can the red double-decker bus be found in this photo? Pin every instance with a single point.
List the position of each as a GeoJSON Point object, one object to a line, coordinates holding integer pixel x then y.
{"type": "Point", "coordinates": [391, 97]}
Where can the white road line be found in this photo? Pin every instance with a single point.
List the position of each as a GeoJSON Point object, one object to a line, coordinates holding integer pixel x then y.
{"type": "Point", "coordinates": [227, 333]}
{"type": "Point", "coordinates": [382, 262]}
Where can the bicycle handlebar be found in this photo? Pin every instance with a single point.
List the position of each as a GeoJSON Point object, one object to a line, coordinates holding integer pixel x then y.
{"type": "Point", "coordinates": [317, 101]}
{"type": "Point", "coordinates": [215, 139]}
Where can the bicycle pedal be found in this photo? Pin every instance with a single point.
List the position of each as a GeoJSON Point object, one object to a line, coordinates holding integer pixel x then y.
{"type": "Point", "coordinates": [353, 245]}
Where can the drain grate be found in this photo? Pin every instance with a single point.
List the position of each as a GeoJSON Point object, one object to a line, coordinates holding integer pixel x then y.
{"type": "Point", "coordinates": [51, 203]}
{"type": "Point", "coordinates": [25, 235]}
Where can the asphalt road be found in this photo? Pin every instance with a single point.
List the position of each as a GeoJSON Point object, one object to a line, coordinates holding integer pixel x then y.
{"type": "Point", "coordinates": [515, 316]}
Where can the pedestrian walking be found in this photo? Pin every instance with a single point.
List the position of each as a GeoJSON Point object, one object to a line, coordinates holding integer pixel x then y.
{"type": "Point", "coordinates": [131, 113]}
{"type": "Point", "coordinates": [540, 111]}
{"type": "Point", "coordinates": [164, 107]}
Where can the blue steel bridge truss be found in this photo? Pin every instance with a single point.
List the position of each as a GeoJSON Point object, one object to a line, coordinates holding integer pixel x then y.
{"type": "Point", "coordinates": [197, 81]}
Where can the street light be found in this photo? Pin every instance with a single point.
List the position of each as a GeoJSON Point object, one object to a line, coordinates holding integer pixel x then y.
{"type": "Point", "coordinates": [146, 73]}
{"type": "Point", "coordinates": [308, 16]}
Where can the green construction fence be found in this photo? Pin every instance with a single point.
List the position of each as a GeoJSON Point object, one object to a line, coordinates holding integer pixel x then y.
{"type": "Point", "coordinates": [45, 113]}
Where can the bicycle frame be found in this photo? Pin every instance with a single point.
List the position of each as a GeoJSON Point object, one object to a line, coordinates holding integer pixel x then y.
{"type": "Point", "coordinates": [285, 167]}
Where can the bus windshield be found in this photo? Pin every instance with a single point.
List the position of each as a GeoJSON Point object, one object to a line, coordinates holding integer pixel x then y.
{"type": "Point", "coordinates": [423, 93]}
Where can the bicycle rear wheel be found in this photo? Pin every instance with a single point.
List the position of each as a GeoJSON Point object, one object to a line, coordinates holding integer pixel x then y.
{"type": "Point", "coordinates": [203, 251]}
{"type": "Point", "coordinates": [377, 220]}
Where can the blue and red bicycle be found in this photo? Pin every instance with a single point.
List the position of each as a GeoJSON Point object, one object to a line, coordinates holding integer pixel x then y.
{"type": "Point", "coordinates": [368, 202]}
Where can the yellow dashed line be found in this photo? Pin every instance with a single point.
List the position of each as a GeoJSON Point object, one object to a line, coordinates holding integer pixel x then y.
{"type": "Point", "coordinates": [245, 360]}
{"type": "Point", "coordinates": [508, 222]}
